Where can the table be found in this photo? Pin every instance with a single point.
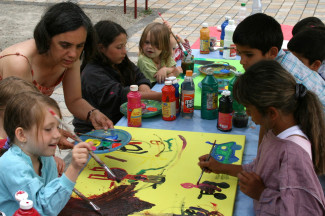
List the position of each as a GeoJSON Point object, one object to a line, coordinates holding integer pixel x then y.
{"type": "Point", "coordinates": [243, 203]}
{"type": "Point", "coordinates": [197, 77]}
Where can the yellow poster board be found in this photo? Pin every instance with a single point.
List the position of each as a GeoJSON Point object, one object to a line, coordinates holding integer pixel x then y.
{"type": "Point", "coordinates": [159, 173]}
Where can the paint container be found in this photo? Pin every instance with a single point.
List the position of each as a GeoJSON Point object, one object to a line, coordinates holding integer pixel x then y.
{"type": "Point", "coordinates": [204, 39]}
{"type": "Point", "coordinates": [225, 112]}
{"type": "Point", "coordinates": [187, 63]}
{"type": "Point", "coordinates": [134, 108]}
{"type": "Point", "coordinates": [168, 102]}
{"type": "Point", "coordinates": [25, 205]}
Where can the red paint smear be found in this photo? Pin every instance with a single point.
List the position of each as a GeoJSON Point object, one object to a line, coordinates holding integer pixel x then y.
{"type": "Point", "coordinates": [135, 143]}
{"type": "Point", "coordinates": [20, 192]}
{"type": "Point", "coordinates": [213, 204]}
{"type": "Point", "coordinates": [112, 184]}
{"type": "Point", "coordinates": [115, 158]}
{"type": "Point", "coordinates": [116, 145]}
{"type": "Point", "coordinates": [152, 109]}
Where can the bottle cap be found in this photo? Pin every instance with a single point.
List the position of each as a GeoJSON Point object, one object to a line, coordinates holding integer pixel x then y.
{"type": "Point", "coordinates": [189, 73]}
{"type": "Point", "coordinates": [228, 17]}
{"type": "Point", "coordinates": [175, 81]}
{"type": "Point", "coordinates": [26, 204]}
{"type": "Point", "coordinates": [205, 25]}
{"type": "Point", "coordinates": [171, 78]}
{"type": "Point", "coordinates": [231, 22]}
{"type": "Point", "coordinates": [21, 195]}
{"type": "Point", "coordinates": [134, 87]}
{"type": "Point", "coordinates": [209, 71]}
{"type": "Point", "coordinates": [243, 4]}
{"type": "Point", "coordinates": [225, 93]}
{"type": "Point", "coordinates": [168, 82]}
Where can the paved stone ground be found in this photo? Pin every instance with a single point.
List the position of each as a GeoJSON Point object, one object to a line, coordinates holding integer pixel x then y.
{"type": "Point", "coordinates": [186, 17]}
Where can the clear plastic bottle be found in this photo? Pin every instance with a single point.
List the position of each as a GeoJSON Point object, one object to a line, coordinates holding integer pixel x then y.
{"type": "Point", "coordinates": [187, 94]}
{"type": "Point", "coordinates": [134, 109]}
{"type": "Point", "coordinates": [205, 39]}
{"type": "Point", "coordinates": [209, 96]}
{"type": "Point", "coordinates": [242, 14]}
{"type": "Point", "coordinates": [256, 6]}
{"type": "Point", "coordinates": [229, 53]}
{"type": "Point", "coordinates": [222, 36]}
{"type": "Point", "coordinates": [239, 118]}
{"type": "Point", "coordinates": [225, 112]}
{"type": "Point", "coordinates": [168, 104]}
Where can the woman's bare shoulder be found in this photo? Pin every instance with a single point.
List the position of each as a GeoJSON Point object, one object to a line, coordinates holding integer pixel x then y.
{"type": "Point", "coordinates": [26, 48]}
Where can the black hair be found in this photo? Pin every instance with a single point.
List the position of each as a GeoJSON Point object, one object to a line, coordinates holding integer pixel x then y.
{"type": "Point", "coordinates": [267, 84]}
{"type": "Point", "coordinates": [60, 18]}
{"type": "Point", "coordinates": [308, 22]}
{"type": "Point", "coordinates": [309, 43]}
{"type": "Point", "coordinates": [106, 32]}
{"type": "Point", "coordinates": [259, 31]}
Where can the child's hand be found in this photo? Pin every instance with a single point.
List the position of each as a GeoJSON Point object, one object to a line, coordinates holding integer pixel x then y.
{"type": "Point", "coordinates": [251, 184]}
{"type": "Point", "coordinates": [161, 75]}
{"type": "Point", "coordinates": [177, 71]}
{"type": "Point", "coordinates": [210, 166]}
{"type": "Point", "coordinates": [60, 165]}
{"type": "Point", "coordinates": [80, 154]}
{"type": "Point", "coordinates": [63, 142]}
{"type": "Point", "coordinates": [180, 39]}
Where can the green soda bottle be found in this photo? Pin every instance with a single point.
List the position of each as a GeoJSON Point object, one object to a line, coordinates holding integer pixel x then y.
{"type": "Point", "coordinates": [209, 97]}
{"type": "Point", "coordinates": [240, 118]}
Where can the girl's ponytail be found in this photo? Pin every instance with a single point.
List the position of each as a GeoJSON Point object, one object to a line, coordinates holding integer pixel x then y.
{"type": "Point", "coordinates": [310, 116]}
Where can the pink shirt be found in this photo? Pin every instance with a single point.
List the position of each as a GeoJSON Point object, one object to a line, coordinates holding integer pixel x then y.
{"type": "Point", "coordinates": [292, 186]}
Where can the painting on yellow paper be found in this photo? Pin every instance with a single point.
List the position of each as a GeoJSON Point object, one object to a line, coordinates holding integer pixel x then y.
{"type": "Point", "coordinates": [159, 173]}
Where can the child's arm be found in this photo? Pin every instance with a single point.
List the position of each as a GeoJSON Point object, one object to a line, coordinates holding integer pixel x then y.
{"type": "Point", "coordinates": [176, 71]}
{"type": "Point", "coordinates": [80, 154]}
{"type": "Point", "coordinates": [214, 166]}
{"type": "Point", "coordinates": [162, 73]}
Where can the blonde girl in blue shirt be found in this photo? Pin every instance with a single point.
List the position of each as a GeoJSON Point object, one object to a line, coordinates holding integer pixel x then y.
{"type": "Point", "coordinates": [29, 165]}
{"type": "Point", "coordinates": [156, 61]}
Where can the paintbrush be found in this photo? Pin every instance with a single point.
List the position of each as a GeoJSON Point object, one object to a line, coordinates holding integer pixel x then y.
{"type": "Point", "coordinates": [101, 163]}
{"type": "Point", "coordinates": [98, 137]}
{"type": "Point", "coordinates": [179, 44]}
{"type": "Point", "coordinates": [95, 207]}
{"type": "Point", "coordinates": [198, 181]}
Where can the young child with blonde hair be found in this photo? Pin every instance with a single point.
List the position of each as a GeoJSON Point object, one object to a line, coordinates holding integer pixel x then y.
{"type": "Point", "coordinates": [155, 60]}
{"type": "Point", "coordinates": [29, 165]}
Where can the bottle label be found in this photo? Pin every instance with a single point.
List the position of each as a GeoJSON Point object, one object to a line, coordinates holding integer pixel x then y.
{"type": "Point", "coordinates": [212, 101]}
{"type": "Point", "coordinates": [225, 121]}
{"type": "Point", "coordinates": [168, 109]}
{"type": "Point", "coordinates": [233, 51]}
{"type": "Point", "coordinates": [204, 46]}
{"type": "Point", "coordinates": [135, 117]}
{"type": "Point", "coordinates": [188, 103]}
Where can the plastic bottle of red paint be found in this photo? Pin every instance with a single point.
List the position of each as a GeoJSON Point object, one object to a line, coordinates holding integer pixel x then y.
{"type": "Point", "coordinates": [168, 104]}
{"type": "Point", "coordinates": [134, 107]}
{"type": "Point", "coordinates": [26, 206]}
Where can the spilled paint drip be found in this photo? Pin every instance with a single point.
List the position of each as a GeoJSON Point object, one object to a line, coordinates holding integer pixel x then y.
{"type": "Point", "coordinates": [183, 147]}
{"type": "Point", "coordinates": [162, 142]}
{"type": "Point", "coordinates": [119, 201]}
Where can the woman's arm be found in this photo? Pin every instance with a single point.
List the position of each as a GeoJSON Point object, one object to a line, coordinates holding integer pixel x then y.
{"type": "Point", "coordinates": [79, 107]}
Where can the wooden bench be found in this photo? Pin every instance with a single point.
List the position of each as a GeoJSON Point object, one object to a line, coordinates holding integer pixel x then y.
{"type": "Point", "coordinates": [135, 7]}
